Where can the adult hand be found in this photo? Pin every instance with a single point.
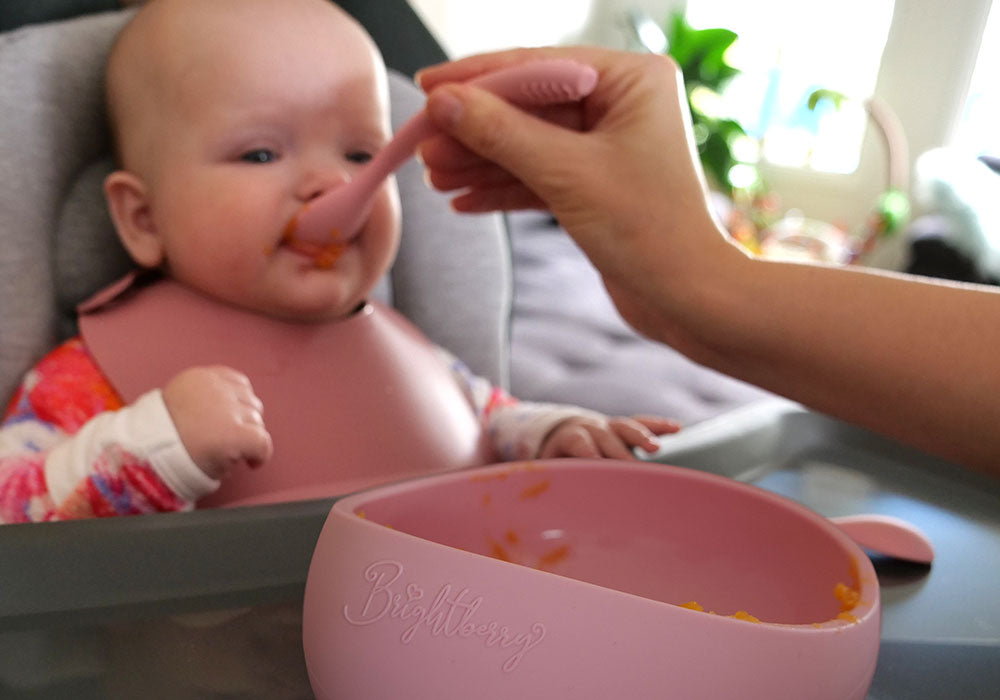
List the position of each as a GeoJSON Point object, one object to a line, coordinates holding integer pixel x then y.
{"type": "Point", "coordinates": [619, 170]}
{"type": "Point", "coordinates": [909, 358]}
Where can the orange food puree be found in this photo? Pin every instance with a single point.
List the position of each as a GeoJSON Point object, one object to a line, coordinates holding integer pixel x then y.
{"type": "Point", "coordinates": [511, 468]}
{"type": "Point", "coordinates": [551, 558]}
{"type": "Point", "coordinates": [324, 256]}
{"type": "Point", "coordinates": [848, 597]}
{"type": "Point", "coordinates": [739, 614]}
{"type": "Point", "coordinates": [554, 556]}
{"type": "Point", "coordinates": [328, 256]}
{"type": "Point", "coordinates": [536, 490]}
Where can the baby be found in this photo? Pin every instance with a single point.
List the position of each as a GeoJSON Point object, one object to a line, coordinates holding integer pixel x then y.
{"type": "Point", "coordinates": [228, 116]}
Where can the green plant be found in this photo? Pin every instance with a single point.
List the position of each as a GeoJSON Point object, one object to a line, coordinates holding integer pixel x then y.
{"type": "Point", "coordinates": [701, 56]}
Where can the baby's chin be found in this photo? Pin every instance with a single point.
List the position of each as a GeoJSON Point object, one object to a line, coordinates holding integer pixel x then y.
{"type": "Point", "coordinates": [302, 308]}
{"type": "Point", "coordinates": [314, 313]}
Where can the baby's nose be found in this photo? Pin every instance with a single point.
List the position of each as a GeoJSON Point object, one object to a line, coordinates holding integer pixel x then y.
{"type": "Point", "coordinates": [320, 179]}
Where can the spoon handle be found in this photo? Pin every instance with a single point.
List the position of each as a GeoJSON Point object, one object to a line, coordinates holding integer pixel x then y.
{"type": "Point", "coordinates": [887, 535]}
{"type": "Point", "coordinates": [541, 82]}
{"type": "Point", "coordinates": [338, 214]}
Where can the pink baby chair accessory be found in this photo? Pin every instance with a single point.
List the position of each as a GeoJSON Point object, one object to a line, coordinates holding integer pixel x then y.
{"type": "Point", "coordinates": [349, 404]}
{"type": "Point", "coordinates": [586, 579]}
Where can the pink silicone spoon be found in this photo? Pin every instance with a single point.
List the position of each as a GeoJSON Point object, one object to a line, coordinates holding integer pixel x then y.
{"type": "Point", "coordinates": [336, 216]}
{"type": "Point", "coordinates": [887, 535]}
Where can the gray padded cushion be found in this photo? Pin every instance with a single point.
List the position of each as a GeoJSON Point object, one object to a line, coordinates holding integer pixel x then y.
{"type": "Point", "coordinates": [569, 344]}
{"type": "Point", "coordinates": [57, 245]}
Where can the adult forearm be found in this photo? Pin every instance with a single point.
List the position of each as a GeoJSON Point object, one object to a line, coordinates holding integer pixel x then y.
{"type": "Point", "coordinates": [915, 360]}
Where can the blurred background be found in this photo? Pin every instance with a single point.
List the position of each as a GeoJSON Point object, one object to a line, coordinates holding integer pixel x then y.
{"type": "Point", "coordinates": [831, 124]}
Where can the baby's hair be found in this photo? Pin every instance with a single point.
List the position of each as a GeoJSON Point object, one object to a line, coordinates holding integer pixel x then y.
{"type": "Point", "coordinates": [110, 108]}
{"type": "Point", "coordinates": [114, 82]}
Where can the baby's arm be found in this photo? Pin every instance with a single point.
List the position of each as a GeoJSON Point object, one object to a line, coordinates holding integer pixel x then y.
{"type": "Point", "coordinates": [62, 454]}
{"type": "Point", "coordinates": [124, 462]}
{"type": "Point", "coordinates": [69, 449]}
{"type": "Point", "coordinates": [609, 437]}
{"type": "Point", "coordinates": [528, 430]}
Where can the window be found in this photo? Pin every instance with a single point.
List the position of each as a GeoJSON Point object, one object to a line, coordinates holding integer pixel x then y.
{"type": "Point", "coordinates": [786, 53]}
{"type": "Point", "coordinates": [977, 130]}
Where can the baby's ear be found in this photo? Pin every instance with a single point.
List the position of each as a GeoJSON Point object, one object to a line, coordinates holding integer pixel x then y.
{"type": "Point", "coordinates": [128, 203]}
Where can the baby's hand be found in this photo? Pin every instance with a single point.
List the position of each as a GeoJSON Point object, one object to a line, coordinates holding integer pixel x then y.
{"type": "Point", "coordinates": [218, 418]}
{"type": "Point", "coordinates": [612, 437]}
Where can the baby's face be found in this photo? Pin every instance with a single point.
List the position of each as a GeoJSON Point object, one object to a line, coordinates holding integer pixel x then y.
{"type": "Point", "coordinates": [264, 105]}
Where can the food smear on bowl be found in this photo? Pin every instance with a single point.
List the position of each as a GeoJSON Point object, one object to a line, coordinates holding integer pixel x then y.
{"type": "Point", "coordinates": [849, 599]}
{"type": "Point", "coordinates": [554, 556]}
{"type": "Point", "coordinates": [505, 551]}
{"type": "Point", "coordinates": [364, 516]}
{"type": "Point", "coordinates": [847, 596]}
{"type": "Point", "coordinates": [511, 468]}
{"type": "Point", "coordinates": [535, 490]}
{"type": "Point", "coordinates": [739, 614]}
{"type": "Point", "coordinates": [498, 551]}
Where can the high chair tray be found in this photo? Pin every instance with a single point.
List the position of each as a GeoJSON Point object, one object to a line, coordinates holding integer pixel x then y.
{"type": "Point", "coordinates": [941, 624]}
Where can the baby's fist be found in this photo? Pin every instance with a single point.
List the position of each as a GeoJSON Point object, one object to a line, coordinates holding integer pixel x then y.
{"type": "Point", "coordinates": [613, 438]}
{"type": "Point", "coordinates": [219, 419]}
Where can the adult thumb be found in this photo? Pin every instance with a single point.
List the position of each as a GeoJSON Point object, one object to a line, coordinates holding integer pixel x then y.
{"type": "Point", "coordinates": [496, 130]}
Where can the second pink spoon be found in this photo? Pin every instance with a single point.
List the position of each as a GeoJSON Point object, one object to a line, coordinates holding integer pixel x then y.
{"type": "Point", "coordinates": [887, 535]}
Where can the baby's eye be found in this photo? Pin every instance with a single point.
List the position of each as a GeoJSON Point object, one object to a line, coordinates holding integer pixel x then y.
{"type": "Point", "coordinates": [360, 157]}
{"type": "Point", "coordinates": [259, 155]}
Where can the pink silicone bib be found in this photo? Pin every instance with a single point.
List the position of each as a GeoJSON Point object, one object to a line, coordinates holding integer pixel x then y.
{"type": "Point", "coordinates": [349, 403]}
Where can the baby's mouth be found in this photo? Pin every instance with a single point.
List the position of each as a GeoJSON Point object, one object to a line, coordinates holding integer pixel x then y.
{"type": "Point", "coordinates": [324, 255]}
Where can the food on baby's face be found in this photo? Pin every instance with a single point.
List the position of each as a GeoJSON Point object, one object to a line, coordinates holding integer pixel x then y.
{"type": "Point", "coordinates": [325, 255]}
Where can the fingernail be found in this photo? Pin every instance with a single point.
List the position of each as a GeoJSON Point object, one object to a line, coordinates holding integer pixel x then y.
{"type": "Point", "coordinates": [444, 107]}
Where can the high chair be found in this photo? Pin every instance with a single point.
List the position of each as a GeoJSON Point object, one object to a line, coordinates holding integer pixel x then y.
{"type": "Point", "coordinates": [63, 581]}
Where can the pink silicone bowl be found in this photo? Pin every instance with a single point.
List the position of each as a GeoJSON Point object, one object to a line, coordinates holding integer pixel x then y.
{"type": "Point", "coordinates": [565, 579]}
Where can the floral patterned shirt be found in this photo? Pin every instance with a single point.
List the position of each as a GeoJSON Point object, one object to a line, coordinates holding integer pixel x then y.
{"type": "Point", "coordinates": [70, 448]}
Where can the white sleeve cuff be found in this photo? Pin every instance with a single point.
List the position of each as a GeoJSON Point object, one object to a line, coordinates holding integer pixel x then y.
{"type": "Point", "coordinates": [143, 429]}
{"type": "Point", "coordinates": [158, 440]}
{"type": "Point", "coordinates": [520, 430]}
